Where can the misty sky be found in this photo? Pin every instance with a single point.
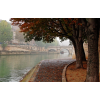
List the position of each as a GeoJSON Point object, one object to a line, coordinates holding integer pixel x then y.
{"type": "Point", "coordinates": [64, 43]}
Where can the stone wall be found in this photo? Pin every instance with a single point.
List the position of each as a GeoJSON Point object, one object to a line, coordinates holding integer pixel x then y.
{"type": "Point", "coordinates": [16, 52]}
{"type": "Point", "coordinates": [12, 48]}
{"type": "Point", "coordinates": [22, 49]}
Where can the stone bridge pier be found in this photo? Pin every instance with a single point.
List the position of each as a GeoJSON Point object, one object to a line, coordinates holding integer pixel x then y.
{"type": "Point", "coordinates": [58, 49]}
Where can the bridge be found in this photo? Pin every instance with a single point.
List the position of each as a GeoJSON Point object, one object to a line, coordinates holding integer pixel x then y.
{"type": "Point", "coordinates": [50, 49]}
{"type": "Point", "coordinates": [60, 48]}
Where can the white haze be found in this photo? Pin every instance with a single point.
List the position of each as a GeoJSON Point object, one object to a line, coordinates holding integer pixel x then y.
{"type": "Point", "coordinates": [64, 43]}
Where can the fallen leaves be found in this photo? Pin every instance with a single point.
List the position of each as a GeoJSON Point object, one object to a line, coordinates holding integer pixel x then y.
{"type": "Point", "coordinates": [75, 75]}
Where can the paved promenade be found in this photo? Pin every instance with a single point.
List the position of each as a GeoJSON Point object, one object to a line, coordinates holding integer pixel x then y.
{"type": "Point", "coordinates": [50, 70]}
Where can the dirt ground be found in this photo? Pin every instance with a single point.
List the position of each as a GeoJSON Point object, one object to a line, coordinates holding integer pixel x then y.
{"type": "Point", "coordinates": [77, 75]}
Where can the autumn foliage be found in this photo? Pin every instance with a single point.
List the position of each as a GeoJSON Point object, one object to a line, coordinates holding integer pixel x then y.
{"type": "Point", "coordinates": [44, 28]}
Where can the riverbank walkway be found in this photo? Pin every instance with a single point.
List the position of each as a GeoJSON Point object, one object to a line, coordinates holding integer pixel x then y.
{"type": "Point", "coordinates": [50, 70]}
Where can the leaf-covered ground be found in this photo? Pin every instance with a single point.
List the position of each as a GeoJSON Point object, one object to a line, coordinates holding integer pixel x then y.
{"type": "Point", "coordinates": [77, 75]}
{"type": "Point", "coordinates": [51, 70]}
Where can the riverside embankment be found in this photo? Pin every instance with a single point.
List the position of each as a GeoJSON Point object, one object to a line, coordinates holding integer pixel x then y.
{"type": "Point", "coordinates": [47, 71]}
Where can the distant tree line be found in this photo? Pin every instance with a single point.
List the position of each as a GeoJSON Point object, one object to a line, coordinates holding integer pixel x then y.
{"type": "Point", "coordinates": [6, 33]}
{"type": "Point", "coordinates": [46, 45]}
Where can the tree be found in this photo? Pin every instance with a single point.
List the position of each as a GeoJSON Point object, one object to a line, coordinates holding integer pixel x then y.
{"type": "Point", "coordinates": [91, 28]}
{"type": "Point", "coordinates": [50, 28]}
{"type": "Point", "coordinates": [5, 33]}
{"type": "Point", "coordinates": [47, 29]}
{"type": "Point", "coordinates": [93, 59]}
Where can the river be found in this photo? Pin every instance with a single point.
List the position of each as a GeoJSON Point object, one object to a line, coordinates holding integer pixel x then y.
{"type": "Point", "coordinates": [14, 67]}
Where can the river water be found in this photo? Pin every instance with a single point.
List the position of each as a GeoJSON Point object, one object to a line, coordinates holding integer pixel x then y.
{"type": "Point", "coordinates": [14, 67]}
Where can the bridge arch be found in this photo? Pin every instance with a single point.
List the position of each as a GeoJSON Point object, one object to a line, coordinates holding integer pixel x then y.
{"type": "Point", "coordinates": [51, 50]}
{"type": "Point", "coordinates": [59, 48]}
{"type": "Point", "coordinates": [65, 50]}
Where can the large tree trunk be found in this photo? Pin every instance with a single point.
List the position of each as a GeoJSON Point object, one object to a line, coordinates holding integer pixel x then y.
{"type": "Point", "coordinates": [81, 48]}
{"type": "Point", "coordinates": [79, 52]}
{"type": "Point", "coordinates": [78, 42]}
{"type": "Point", "coordinates": [83, 53]}
{"type": "Point", "coordinates": [93, 59]}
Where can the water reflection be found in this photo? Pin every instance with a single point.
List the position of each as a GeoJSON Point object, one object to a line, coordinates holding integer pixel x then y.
{"type": "Point", "coordinates": [14, 67]}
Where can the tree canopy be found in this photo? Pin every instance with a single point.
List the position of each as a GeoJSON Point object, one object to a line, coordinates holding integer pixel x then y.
{"type": "Point", "coordinates": [6, 33]}
{"type": "Point", "coordinates": [46, 28]}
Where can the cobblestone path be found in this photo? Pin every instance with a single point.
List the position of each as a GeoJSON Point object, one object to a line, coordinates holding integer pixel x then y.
{"type": "Point", "coordinates": [51, 70]}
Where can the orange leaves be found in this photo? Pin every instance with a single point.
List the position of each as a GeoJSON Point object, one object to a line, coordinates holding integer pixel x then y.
{"type": "Point", "coordinates": [39, 27]}
{"type": "Point", "coordinates": [74, 21]}
{"type": "Point", "coordinates": [66, 21]}
{"type": "Point", "coordinates": [71, 21]}
{"type": "Point", "coordinates": [80, 24]}
{"type": "Point", "coordinates": [31, 32]}
{"type": "Point", "coordinates": [37, 22]}
{"type": "Point", "coordinates": [73, 79]}
{"type": "Point", "coordinates": [26, 24]}
{"type": "Point", "coordinates": [83, 75]}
